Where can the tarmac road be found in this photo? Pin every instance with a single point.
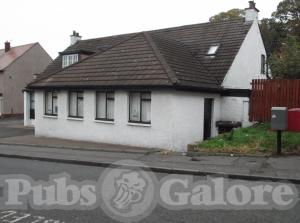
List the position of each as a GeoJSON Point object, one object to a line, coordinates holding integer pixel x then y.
{"type": "Point", "coordinates": [39, 170]}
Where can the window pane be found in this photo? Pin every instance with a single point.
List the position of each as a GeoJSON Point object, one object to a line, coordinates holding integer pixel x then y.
{"type": "Point", "coordinates": [101, 105]}
{"type": "Point", "coordinates": [134, 107]}
{"type": "Point", "coordinates": [68, 60]}
{"type": "Point", "coordinates": [263, 62]}
{"type": "Point", "coordinates": [146, 96]}
{"type": "Point", "coordinates": [55, 108]}
{"type": "Point", "coordinates": [146, 111]}
{"type": "Point", "coordinates": [80, 107]}
{"type": "Point", "coordinates": [32, 102]}
{"type": "Point", "coordinates": [75, 58]}
{"type": "Point", "coordinates": [48, 102]}
{"type": "Point", "coordinates": [64, 61]}
{"type": "Point", "coordinates": [72, 106]}
{"type": "Point", "coordinates": [212, 50]}
{"type": "Point", "coordinates": [110, 109]}
{"type": "Point", "coordinates": [80, 95]}
{"type": "Point", "coordinates": [110, 95]}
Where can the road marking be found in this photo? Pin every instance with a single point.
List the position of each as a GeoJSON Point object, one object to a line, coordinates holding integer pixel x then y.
{"type": "Point", "coordinates": [19, 217]}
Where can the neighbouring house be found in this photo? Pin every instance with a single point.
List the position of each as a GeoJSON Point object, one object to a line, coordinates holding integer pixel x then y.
{"type": "Point", "coordinates": [158, 89]}
{"type": "Point", "coordinates": [17, 68]}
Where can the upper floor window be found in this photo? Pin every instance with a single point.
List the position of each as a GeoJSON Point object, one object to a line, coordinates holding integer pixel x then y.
{"type": "Point", "coordinates": [105, 106]}
{"type": "Point", "coordinates": [68, 60]}
{"type": "Point", "coordinates": [213, 50]}
{"type": "Point", "coordinates": [263, 64]}
{"type": "Point", "coordinates": [51, 107]}
{"type": "Point", "coordinates": [140, 107]}
{"type": "Point", "coordinates": [76, 104]}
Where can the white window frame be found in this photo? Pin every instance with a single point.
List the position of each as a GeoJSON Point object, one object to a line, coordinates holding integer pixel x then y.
{"type": "Point", "coordinates": [53, 111]}
{"type": "Point", "coordinates": [141, 100]}
{"type": "Point", "coordinates": [212, 51]}
{"type": "Point", "coordinates": [76, 104]}
{"type": "Point", "coordinates": [108, 98]}
{"type": "Point", "coordinates": [69, 59]}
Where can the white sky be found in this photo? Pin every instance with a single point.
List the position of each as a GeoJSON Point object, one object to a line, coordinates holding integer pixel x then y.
{"type": "Point", "coordinates": [50, 22]}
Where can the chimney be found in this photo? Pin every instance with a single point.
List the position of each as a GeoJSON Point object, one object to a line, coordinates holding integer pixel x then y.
{"type": "Point", "coordinates": [75, 37]}
{"type": "Point", "coordinates": [7, 46]}
{"type": "Point", "coordinates": [251, 12]}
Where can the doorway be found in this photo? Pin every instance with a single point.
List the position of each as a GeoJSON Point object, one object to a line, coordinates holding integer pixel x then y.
{"type": "Point", "coordinates": [208, 113]}
{"type": "Point", "coordinates": [31, 105]}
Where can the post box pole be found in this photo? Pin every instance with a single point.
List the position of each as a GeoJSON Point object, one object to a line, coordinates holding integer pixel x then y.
{"type": "Point", "coordinates": [279, 142]}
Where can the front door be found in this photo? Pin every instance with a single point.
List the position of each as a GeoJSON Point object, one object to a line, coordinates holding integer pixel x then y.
{"type": "Point", "coordinates": [208, 110]}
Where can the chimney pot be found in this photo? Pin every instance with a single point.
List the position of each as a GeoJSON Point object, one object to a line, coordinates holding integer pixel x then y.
{"type": "Point", "coordinates": [7, 46]}
{"type": "Point", "coordinates": [251, 12]}
{"type": "Point", "coordinates": [75, 37]}
{"type": "Point", "coordinates": [252, 5]}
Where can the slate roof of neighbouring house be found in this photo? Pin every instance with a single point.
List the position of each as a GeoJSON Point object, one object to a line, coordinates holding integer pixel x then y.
{"type": "Point", "coordinates": [173, 57]}
{"type": "Point", "coordinates": [7, 58]}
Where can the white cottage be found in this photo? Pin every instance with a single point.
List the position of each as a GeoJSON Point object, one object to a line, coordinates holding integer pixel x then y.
{"type": "Point", "coordinates": [157, 89]}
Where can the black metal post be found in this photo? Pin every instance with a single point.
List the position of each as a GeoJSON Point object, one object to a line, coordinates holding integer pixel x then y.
{"type": "Point", "coordinates": [279, 142]}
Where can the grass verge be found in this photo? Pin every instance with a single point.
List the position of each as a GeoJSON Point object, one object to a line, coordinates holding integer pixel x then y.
{"type": "Point", "coordinates": [257, 139]}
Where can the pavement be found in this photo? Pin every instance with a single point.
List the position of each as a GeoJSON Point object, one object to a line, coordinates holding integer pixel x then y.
{"type": "Point", "coordinates": [19, 142]}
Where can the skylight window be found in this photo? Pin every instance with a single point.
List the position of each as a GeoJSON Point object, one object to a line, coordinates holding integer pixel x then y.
{"type": "Point", "coordinates": [213, 50]}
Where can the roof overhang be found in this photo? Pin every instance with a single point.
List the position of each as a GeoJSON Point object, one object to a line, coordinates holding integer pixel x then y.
{"type": "Point", "coordinates": [129, 87]}
{"type": "Point", "coordinates": [236, 93]}
{"type": "Point", "coordinates": [75, 52]}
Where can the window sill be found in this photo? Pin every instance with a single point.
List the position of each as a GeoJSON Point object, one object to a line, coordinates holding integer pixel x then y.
{"type": "Point", "coordinates": [74, 119]}
{"type": "Point", "coordinates": [50, 116]}
{"type": "Point", "coordinates": [139, 124]}
{"type": "Point", "coordinates": [103, 121]}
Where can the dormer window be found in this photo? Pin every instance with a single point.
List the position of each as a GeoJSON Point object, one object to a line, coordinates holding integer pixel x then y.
{"type": "Point", "coordinates": [213, 50]}
{"type": "Point", "coordinates": [69, 59]}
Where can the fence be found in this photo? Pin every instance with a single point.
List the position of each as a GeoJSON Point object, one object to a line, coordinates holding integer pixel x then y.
{"type": "Point", "coordinates": [272, 93]}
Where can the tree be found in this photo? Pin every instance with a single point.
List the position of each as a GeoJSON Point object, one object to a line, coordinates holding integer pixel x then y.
{"type": "Point", "coordinates": [288, 13]}
{"type": "Point", "coordinates": [286, 62]}
{"type": "Point", "coordinates": [229, 15]}
{"type": "Point", "coordinates": [273, 33]}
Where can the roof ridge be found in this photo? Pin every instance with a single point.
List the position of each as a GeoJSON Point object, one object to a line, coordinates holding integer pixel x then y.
{"type": "Point", "coordinates": [93, 55]}
{"type": "Point", "coordinates": [172, 77]}
{"type": "Point", "coordinates": [165, 29]}
{"type": "Point", "coordinates": [32, 44]}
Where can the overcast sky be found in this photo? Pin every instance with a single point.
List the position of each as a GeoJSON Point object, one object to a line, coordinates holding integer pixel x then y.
{"type": "Point", "coordinates": [50, 22]}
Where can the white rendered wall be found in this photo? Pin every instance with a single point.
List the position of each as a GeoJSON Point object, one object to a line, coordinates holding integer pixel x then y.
{"type": "Point", "coordinates": [235, 109]}
{"type": "Point", "coordinates": [176, 120]}
{"type": "Point", "coordinates": [247, 64]}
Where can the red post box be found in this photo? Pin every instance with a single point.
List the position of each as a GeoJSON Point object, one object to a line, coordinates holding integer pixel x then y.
{"type": "Point", "coordinates": [294, 120]}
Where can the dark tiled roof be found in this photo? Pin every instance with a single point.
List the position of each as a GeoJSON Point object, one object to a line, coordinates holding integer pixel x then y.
{"type": "Point", "coordinates": [160, 58]}
{"type": "Point", "coordinates": [92, 45]}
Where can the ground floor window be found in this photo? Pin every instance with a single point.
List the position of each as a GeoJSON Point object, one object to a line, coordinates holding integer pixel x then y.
{"type": "Point", "coordinates": [140, 107]}
{"type": "Point", "coordinates": [76, 104]}
{"type": "Point", "coordinates": [31, 105]}
{"type": "Point", "coordinates": [105, 107]}
{"type": "Point", "coordinates": [51, 107]}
